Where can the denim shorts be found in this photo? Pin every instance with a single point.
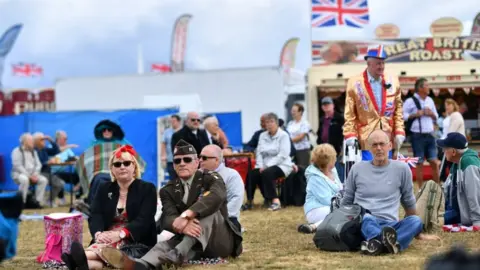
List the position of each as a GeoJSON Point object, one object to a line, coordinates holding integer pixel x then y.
{"type": "Point", "coordinates": [424, 146]}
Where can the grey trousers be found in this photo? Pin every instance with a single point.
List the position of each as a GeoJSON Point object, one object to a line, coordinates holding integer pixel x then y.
{"type": "Point", "coordinates": [57, 184]}
{"type": "Point", "coordinates": [215, 241]}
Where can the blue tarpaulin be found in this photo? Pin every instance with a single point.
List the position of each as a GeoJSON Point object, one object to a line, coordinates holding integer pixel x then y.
{"type": "Point", "coordinates": [140, 127]}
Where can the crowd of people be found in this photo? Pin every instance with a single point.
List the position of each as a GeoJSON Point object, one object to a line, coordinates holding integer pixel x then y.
{"type": "Point", "coordinates": [203, 200]}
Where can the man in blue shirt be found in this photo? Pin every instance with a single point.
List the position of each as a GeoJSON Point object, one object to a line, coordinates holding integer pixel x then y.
{"type": "Point", "coordinates": [167, 155]}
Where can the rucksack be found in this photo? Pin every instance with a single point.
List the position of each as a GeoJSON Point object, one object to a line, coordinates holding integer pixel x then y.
{"type": "Point", "coordinates": [431, 205]}
{"type": "Point", "coordinates": [341, 229]}
{"type": "Point", "coordinates": [409, 123]}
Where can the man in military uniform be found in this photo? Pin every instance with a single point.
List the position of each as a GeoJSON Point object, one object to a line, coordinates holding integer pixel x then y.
{"type": "Point", "coordinates": [195, 209]}
{"type": "Point", "coordinates": [373, 101]}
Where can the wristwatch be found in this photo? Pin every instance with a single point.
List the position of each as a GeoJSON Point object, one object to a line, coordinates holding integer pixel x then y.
{"type": "Point", "coordinates": [122, 234]}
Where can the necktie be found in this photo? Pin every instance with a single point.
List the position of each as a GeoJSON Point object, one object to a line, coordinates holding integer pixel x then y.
{"type": "Point", "coordinates": [186, 188]}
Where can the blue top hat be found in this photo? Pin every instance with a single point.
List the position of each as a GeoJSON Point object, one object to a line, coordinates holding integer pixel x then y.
{"type": "Point", "coordinates": [376, 52]}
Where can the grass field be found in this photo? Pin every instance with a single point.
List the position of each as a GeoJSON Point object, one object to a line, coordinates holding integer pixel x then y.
{"type": "Point", "coordinates": [270, 242]}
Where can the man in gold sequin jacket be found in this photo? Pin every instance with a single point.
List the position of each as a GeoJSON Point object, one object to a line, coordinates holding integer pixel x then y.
{"type": "Point", "coordinates": [373, 101]}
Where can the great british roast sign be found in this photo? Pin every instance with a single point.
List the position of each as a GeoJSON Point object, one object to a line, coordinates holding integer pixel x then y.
{"type": "Point", "coordinates": [398, 50]}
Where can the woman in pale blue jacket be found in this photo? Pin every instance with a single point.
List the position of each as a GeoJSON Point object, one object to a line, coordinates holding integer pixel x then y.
{"type": "Point", "coordinates": [322, 184]}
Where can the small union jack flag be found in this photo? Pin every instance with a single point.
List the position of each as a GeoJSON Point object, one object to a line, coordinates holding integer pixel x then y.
{"type": "Point", "coordinates": [411, 161]}
{"type": "Point", "coordinates": [353, 13]}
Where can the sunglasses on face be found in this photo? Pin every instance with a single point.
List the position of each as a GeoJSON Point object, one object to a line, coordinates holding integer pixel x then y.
{"type": "Point", "coordinates": [125, 163]}
{"type": "Point", "coordinates": [205, 158]}
{"type": "Point", "coordinates": [107, 129]}
{"type": "Point", "coordinates": [195, 120]}
{"type": "Point", "coordinates": [186, 160]}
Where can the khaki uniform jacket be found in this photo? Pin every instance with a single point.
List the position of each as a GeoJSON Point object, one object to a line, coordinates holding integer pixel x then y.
{"type": "Point", "coordinates": [207, 195]}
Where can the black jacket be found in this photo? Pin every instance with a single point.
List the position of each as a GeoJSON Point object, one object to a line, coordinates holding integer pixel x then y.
{"type": "Point", "coordinates": [141, 208]}
{"type": "Point", "coordinates": [198, 142]}
{"type": "Point", "coordinates": [251, 146]}
{"type": "Point", "coordinates": [335, 132]}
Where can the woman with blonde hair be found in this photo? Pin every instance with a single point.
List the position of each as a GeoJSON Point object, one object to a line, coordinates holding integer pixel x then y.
{"type": "Point", "coordinates": [454, 121]}
{"type": "Point", "coordinates": [122, 214]}
{"type": "Point", "coordinates": [322, 184]}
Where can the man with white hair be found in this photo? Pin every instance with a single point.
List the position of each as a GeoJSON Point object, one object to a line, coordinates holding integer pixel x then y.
{"type": "Point", "coordinates": [26, 168]}
{"type": "Point", "coordinates": [192, 133]}
{"type": "Point", "coordinates": [45, 155]}
{"type": "Point", "coordinates": [214, 132]}
{"type": "Point", "coordinates": [373, 101]}
{"type": "Point", "coordinates": [211, 158]}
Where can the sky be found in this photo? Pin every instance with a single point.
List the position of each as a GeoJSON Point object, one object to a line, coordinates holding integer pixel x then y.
{"type": "Point", "coordinates": [78, 38]}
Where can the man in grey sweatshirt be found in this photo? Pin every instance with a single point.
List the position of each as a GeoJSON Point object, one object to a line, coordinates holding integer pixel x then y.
{"type": "Point", "coordinates": [380, 186]}
{"type": "Point", "coordinates": [462, 187]}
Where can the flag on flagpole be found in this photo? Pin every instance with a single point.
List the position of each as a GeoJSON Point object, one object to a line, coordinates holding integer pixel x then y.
{"type": "Point", "coordinates": [411, 161]}
{"type": "Point", "coordinates": [140, 59]}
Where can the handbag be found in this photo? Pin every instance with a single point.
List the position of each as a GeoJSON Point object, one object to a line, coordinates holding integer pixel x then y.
{"type": "Point", "coordinates": [135, 250]}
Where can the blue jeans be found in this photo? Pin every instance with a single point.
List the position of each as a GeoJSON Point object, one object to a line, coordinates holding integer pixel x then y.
{"type": "Point", "coordinates": [367, 156]}
{"type": "Point", "coordinates": [424, 146]}
{"type": "Point", "coordinates": [407, 228]}
{"type": "Point", "coordinates": [340, 169]}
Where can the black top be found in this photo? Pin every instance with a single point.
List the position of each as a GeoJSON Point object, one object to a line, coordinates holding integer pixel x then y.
{"type": "Point", "coordinates": [141, 208]}
{"type": "Point", "coordinates": [198, 141]}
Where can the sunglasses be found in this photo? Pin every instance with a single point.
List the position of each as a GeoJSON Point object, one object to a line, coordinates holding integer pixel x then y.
{"type": "Point", "coordinates": [205, 158]}
{"type": "Point", "coordinates": [195, 120]}
{"type": "Point", "coordinates": [125, 163]}
{"type": "Point", "coordinates": [186, 160]}
{"type": "Point", "coordinates": [107, 129]}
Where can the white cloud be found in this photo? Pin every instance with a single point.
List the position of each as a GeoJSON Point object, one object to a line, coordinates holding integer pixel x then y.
{"type": "Point", "coordinates": [55, 26]}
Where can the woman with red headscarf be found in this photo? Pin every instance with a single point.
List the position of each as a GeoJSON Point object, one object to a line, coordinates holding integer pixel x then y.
{"type": "Point", "coordinates": [122, 214]}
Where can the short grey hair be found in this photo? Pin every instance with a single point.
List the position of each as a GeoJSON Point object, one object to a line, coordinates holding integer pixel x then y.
{"type": "Point", "coordinates": [210, 120]}
{"type": "Point", "coordinates": [38, 135]}
{"type": "Point", "coordinates": [461, 151]}
{"type": "Point", "coordinates": [60, 133]}
{"type": "Point", "coordinates": [24, 136]}
{"type": "Point", "coordinates": [271, 116]}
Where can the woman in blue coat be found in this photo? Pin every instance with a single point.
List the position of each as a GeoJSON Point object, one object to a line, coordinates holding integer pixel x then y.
{"type": "Point", "coordinates": [322, 184]}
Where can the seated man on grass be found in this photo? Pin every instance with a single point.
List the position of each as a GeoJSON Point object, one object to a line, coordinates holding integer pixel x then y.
{"type": "Point", "coordinates": [379, 186]}
{"type": "Point", "coordinates": [462, 188]}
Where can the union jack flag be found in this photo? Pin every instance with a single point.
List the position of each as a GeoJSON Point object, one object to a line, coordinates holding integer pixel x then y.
{"type": "Point", "coordinates": [411, 161]}
{"type": "Point", "coordinates": [353, 13]}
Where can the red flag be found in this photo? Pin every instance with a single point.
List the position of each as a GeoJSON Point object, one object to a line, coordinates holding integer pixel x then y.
{"type": "Point", "coordinates": [162, 68]}
{"type": "Point", "coordinates": [27, 70]}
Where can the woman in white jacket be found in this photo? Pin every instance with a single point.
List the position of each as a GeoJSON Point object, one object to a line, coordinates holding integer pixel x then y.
{"type": "Point", "coordinates": [452, 123]}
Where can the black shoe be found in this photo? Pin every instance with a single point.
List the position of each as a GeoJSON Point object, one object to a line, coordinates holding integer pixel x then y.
{"type": "Point", "coordinates": [306, 228]}
{"type": "Point", "coordinates": [373, 247]}
{"type": "Point", "coordinates": [68, 260]}
{"type": "Point", "coordinates": [78, 255]}
{"type": "Point", "coordinates": [247, 206]}
{"type": "Point", "coordinates": [389, 240]}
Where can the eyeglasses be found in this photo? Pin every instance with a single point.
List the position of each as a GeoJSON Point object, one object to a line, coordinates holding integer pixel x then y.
{"type": "Point", "coordinates": [186, 160]}
{"type": "Point", "coordinates": [107, 129]}
{"type": "Point", "coordinates": [205, 158]}
{"type": "Point", "coordinates": [125, 163]}
{"type": "Point", "coordinates": [195, 120]}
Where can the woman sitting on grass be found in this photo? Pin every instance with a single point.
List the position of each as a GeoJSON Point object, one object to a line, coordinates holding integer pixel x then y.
{"type": "Point", "coordinates": [322, 184]}
{"type": "Point", "coordinates": [122, 213]}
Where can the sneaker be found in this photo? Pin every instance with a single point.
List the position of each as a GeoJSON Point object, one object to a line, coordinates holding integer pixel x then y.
{"type": "Point", "coordinates": [274, 207]}
{"type": "Point", "coordinates": [373, 247]}
{"type": "Point", "coordinates": [247, 206]}
{"type": "Point", "coordinates": [306, 228]}
{"type": "Point", "coordinates": [389, 240]}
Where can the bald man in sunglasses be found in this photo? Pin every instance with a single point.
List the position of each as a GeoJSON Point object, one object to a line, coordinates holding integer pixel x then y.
{"type": "Point", "coordinates": [192, 133]}
{"type": "Point", "coordinates": [195, 210]}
